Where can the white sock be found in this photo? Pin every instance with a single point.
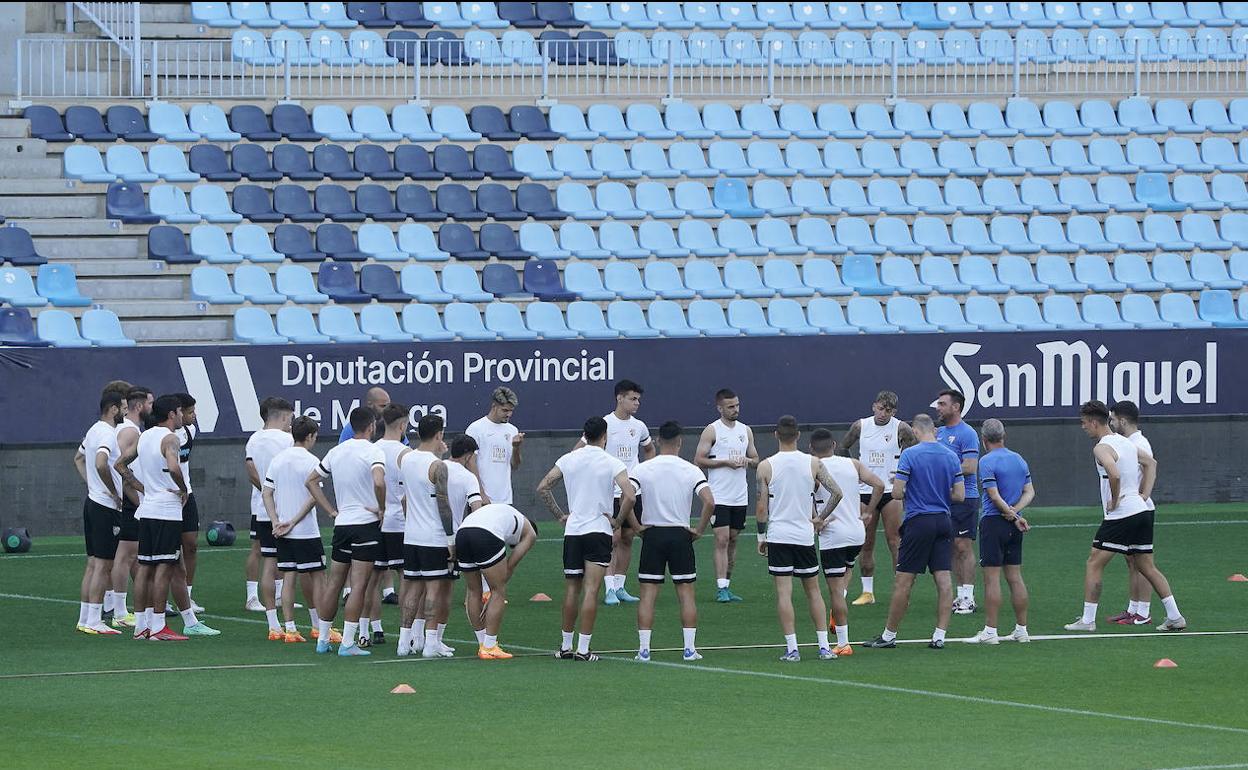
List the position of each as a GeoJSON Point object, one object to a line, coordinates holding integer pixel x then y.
{"type": "Point", "coordinates": [405, 637]}
{"type": "Point", "coordinates": [349, 632]}
{"type": "Point", "coordinates": [1172, 608]}
{"type": "Point", "coordinates": [95, 614]}
{"type": "Point", "coordinates": [1020, 629]}
{"type": "Point", "coordinates": [119, 604]}
{"type": "Point", "coordinates": [690, 635]}
{"type": "Point", "coordinates": [643, 639]}
{"type": "Point", "coordinates": [363, 627]}
{"type": "Point", "coordinates": [868, 585]}
{"type": "Point", "coordinates": [316, 619]}
{"type": "Point", "coordinates": [970, 591]}
{"type": "Point", "coordinates": [189, 619]}
{"type": "Point", "coordinates": [108, 600]}
{"type": "Point", "coordinates": [609, 582]}
{"type": "Point", "coordinates": [961, 592]}
{"type": "Point", "coordinates": [619, 582]}
{"type": "Point", "coordinates": [271, 616]}
{"type": "Point", "coordinates": [1089, 612]}
{"type": "Point", "coordinates": [1145, 610]}
{"type": "Point", "coordinates": [291, 627]}
{"type": "Point", "coordinates": [253, 587]}
{"type": "Point", "coordinates": [82, 613]}
{"type": "Point", "coordinates": [490, 641]}
{"type": "Point", "coordinates": [721, 582]}
{"type": "Point", "coordinates": [566, 642]}
{"type": "Point", "coordinates": [189, 589]}
{"type": "Point", "coordinates": [418, 628]}
{"type": "Point", "coordinates": [842, 635]}
{"type": "Point", "coordinates": [323, 630]}
{"type": "Point", "coordinates": [822, 638]}
{"type": "Point", "coordinates": [441, 631]}
{"type": "Point", "coordinates": [888, 635]}
{"type": "Point", "coordinates": [1133, 607]}
{"type": "Point", "coordinates": [157, 621]}
{"type": "Point", "coordinates": [480, 634]}
{"type": "Point", "coordinates": [431, 639]}
{"type": "Point", "coordinates": [582, 643]}
{"type": "Point", "coordinates": [277, 588]}
{"type": "Point", "coordinates": [376, 626]}
{"type": "Point", "coordinates": [938, 635]}
{"type": "Point", "coordinates": [790, 642]}
{"type": "Point", "coordinates": [386, 592]}
{"type": "Point", "coordinates": [990, 630]}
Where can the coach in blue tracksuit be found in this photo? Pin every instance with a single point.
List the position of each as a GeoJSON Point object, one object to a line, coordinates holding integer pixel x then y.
{"type": "Point", "coordinates": [929, 478]}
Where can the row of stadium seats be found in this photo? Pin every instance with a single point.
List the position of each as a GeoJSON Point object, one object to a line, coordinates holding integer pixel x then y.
{"type": "Point", "coordinates": [338, 281]}
{"type": "Point", "coordinates": [606, 121]}
{"type": "Point", "coordinates": [58, 285]}
{"type": "Point", "coordinates": [714, 16]}
{"type": "Point", "coordinates": [100, 328]}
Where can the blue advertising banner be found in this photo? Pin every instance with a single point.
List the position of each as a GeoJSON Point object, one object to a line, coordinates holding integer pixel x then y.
{"type": "Point", "coordinates": [50, 396]}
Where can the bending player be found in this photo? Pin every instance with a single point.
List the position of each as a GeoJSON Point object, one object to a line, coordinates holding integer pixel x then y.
{"type": "Point", "coordinates": [481, 547]}
{"type": "Point", "coordinates": [725, 450]}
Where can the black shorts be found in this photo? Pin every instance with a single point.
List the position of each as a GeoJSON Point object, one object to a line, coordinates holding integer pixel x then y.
{"type": "Point", "coordinates": [304, 554]}
{"type": "Point", "coordinates": [427, 562]}
{"type": "Point", "coordinates": [796, 560]}
{"type": "Point", "coordinates": [731, 516]}
{"type": "Point", "coordinates": [190, 514]}
{"type": "Point", "coordinates": [885, 499]}
{"type": "Point", "coordinates": [837, 561]}
{"type": "Point", "coordinates": [160, 541]}
{"type": "Point", "coordinates": [926, 544]}
{"type": "Point", "coordinates": [477, 549]}
{"type": "Point", "coordinates": [127, 524]}
{"type": "Point", "coordinates": [263, 532]}
{"type": "Point", "coordinates": [1131, 535]}
{"type": "Point", "coordinates": [1000, 543]}
{"type": "Point", "coordinates": [100, 530]}
{"type": "Point", "coordinates": [390, 555]}
{"type": "Point", "coordinates": [963, 517]}
{"type": "Point", "coordinates": [356, 542]}
{"type": "Point", "coordinates": [592, 547]}
{"type": "Point", "coordinates": [667, 550]}
{"type": "Point", "coordinates": [636, 510]}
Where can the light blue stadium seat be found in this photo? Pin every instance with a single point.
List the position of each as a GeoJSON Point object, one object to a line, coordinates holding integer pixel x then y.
{"type": "Point", "coordinates": [654, 199]}
{"type": "Point", "coordinates": [452, 123]}
{"type": "Point", "coordinates": [628, 319]}
{"type": "Point", "coordinates": [645, 121]}
{"type": "Point", "coordinates": [1101, 311]}
{"type": "Point", "coordinates": [821, 275]}
{"type": "Point", "coordinates": [377, 241]}
{"type": "Point", "coordinates": [539, 239]}
{"type": "Point", "coordinates": [1182, 152]}
{"type": "Point", "coordinates": [927, 49]}
{"type": "Point", "coordinates": [284, 46]}
{"type": "Point", "coordinates": [931, 234]}
{"type": "Point", "coordinates": [1124, 231]}
{"type": "Point", "coordinates": [338, 322]}
{"type": "Point", "coordinates": [611, 161]}
{"type": "Point", "coordinates": [166, 161]}
{"type": "Point", "coordinates": [1160, 231]}
{"type": "Point", "coordinates": [464, 320]}
{"type": "Point", "coordinates": [747, 316]}
{"type": "Point", "coordinates": [906, 314]}
{"type": "Point", "coordinates": [1077, 194]}
{"type": "Point", "coordinates": [799, 121]}
{"type": "Point", "coordinates": [1085, 232]}
{"type": "Point", "coordinates": [733, 196]}
{"type": "Point", "coordinates": [727, 159]}
{"type": "Point", "coordinates": [422, 283]}
{"type": "Point", "coordinates": [518, 46]}
{"type": "Point", "coordinates": [576, 199]}
{"type": "Point", "coordinates": [210, 243]}
{"type": "Point", "coordinates": [59, 285]}
{"type": "Point", "coordinates": [295, 281]}
{"type": "Point", "coordinates": [619, 239]}
{"type": "Point", "coordinates": [970, 234]}
{"type": "Point", "coordinates": [1113, 192]}
{"type": "Point", "coordinates": [827, 315]}
{"type": "Point", "coordinates": [637, 50]}
{"type": "Point", "coordinates": [1172, 270]}
{"type": "Point", "coordinates": [946, 313]}
{"type": "Point", "coordinates": [703, 277]}
{"type": "Point", "coordinates": [776, 236]}
{"type": "Point", "coordinates": [737, 236]}
{"type": "Point", "coordinates": [669, 319]}
{"type": "Point", "coordinates": [254, 283]}
{"type": "Point", "coordinates": [1206, 268]}
{"type": "Point", "coordinates": [595, 15]}
{"type": "Point", "coordinates": [1002, 196]}
{"type": "Point", "coordinates": [698, 237]}
{"type": "Point", "coordinates": [1016, 272]}
{"type": "Point", "coordinates": [659, 240]}
{"type": "Point", "coordinates": [1093, 270]}
{"type": "Point", "coordinates": [1234, 227]}
{"type": "Point", "coordinates": [624, 280]}
{"type": "Point", "coordinates": [1190, 190]}
{"type": "Point", "coordinates": [741, 275]}
{"type": "Point", "coordinates": [167, 121]}
{"type": "Point", "coordinates": [531, 160]}
{"type": "Point", "coordinates": [1140, 311]}
{"type": "Point", "coordinates": [85, 163]}
{"type": "Point", "coordinates": [413, 122]}
{"type": "Point", "coordinates": [212, 285]}
{"type": "Point", "coordinates": [1033, 156]}
{"type": "Point", "coordinates": [957, 156]}
{"type": "Point", "coordinates": [608, 121]}
{"type": "Point", "coordinates": [254, 325]}
{"type": "Point", "coordinates": [855, 235]}
{"type": "Point", "coordinates": [575, 238]}
{"type": "Point", "coordinates": [210, 202]}
{"type": "Point", "coordinates": [918, 158]}
{"type": "Point", "coordinates": [1134, 271]}
{"type": "Point", "coordinates": [463, 282]}
{"type": "Point", "coordinates": [1047, 232]}
{"type": "Point", "coordinates": [979, 273]}
{"type": "Point", "coordinates": [1200, 230]}
{"type": "Point", "coordinates": [382, 324]}
{"type": "Point", "coordinates": [939, 273]}
{"type": "Point", "coordinates": [209, 122]}
{"type": "Point", "coordinates": [1069, 155]}
{"type": "Point", "coordinates": [615, 199]}
{"type": "Point", "coordinates": [985, 313]}
{"type": "Point", "coordinates": [503, 318]}
{"type": "Point", "coordinates": [17, 289]}
{"type": "Point", "coordinates": [685, 157]}
{"type": "Point", "coordinates": [695, 200]}
{"type": "Point", "coordinates": [1024, 313]}
{"type": "Point", "coordinates": [1042, 196]}
{"type": "Point", "coordinates": [1061, 312]}
{"type": "Point", "coordinates": [707, 317]}
{"type": "Point", "coordinates": [868, 315]}
{"type": "Point", "coordinates": [331, 15]}
{"type": "Point", "coordinates": [168, 202]}
{"type": "Point", "coordinates": [787, 316]}
{"type": "Point", "coordinates": [879, 158]}
{"type": "Point", "coordinates": [876, 121]}
{"type": "Point", "coordinates": [664, 279]}
{"type": "Point", "coordinates": [585, 318]}
{"type": "Point", "coordinates": [103, 329]}
{"type": "Point", "coordinates": [766, 157]}
{"type": "Point", "coordinates": [950, 120]}
{"type": "Point", "coordinates": [858, 271]}
{"type": "Point", "coordinates": [332, 121]}
{"type": "Point", "coordinates": [1237, 266]}
{"type": "Point", "coordinates": [899, 274]}
{"type": "Point", "coordinates": [812, 197]}
{"type": "Point", "coordinates": [1144, 152]}
{"type": "Point", "coordinates": [835, 118]}
{"type": "Point", "coordinates": [126, 162]}
{"type": "Point", "coordinates": [328, 46]}
{"type": "Point", "coordinates": [1064, 118]}
{"type": "Point", "coordinates": [782, 276]}
{"type": "Point", "coordinates": [422, 322]}
{"type": "Point", "coordinates": [1107, 155]}
{"type": "Point", "coordinates": [843, 158]}
{"type": "Point", "coordinates": [686, 121]}
{"type": "Point", "coordinates": [418, 240]}
{"type": "Point", "coordinates": [215, 15]}
{"type": "Point", "coordinates": [962, 195]}
{"type": "Point", "coordinates": [724, 121]}
{"type": "Point", "coordinates": [1055, 271]}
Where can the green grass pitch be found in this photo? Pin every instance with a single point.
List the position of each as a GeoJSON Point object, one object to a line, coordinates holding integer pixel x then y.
{"type": "Point", "coordinates": [1070, 703]}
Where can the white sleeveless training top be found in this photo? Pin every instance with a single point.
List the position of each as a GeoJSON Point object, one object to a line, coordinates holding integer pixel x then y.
{"type": "Point", "coordinates": [792, 499]}
{"type": "Point", "coordinates": [728, 484]}
{"type": "Point", "coordinates": [160, 494]}
{"type": "Point", "coordinates": [1129, 500]}
{"type": "Point", "coordinates": [844, 526]}
{"type": "Point", "coordinates": [878, 450]}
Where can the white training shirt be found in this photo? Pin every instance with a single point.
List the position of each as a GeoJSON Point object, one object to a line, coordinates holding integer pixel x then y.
{"type": "Point", "coordinates": [262, 447]}
{"type": "Point", "coordinates": [728, 485]}
{"type": "Point", "coordinates": [288, 477]}
{"type": "Point", "coordinates": [1129, 500]}
{"type": "Point", "coordinates": [186, 439]}
{"type": "Point", "coordinates": [494, 451]}
{"type": "Point", "coordinates": [160, 494]}
{"type": "Point", "coordinates": [499, 519]}
{"type": "Point", "coordinates": [878, 449]}
{"type": "Point", "coordinates": [1140, 442]}
{"type": "Point", "coordinates": [462, 487]}
{"type": "Point", "coordinates": [589, 478]}
{"type": "Point", "coordinates": [624, 437]}
{"type": "Point", "coordinates": [667, 485]}
{"type": "Point", "coordinates": [392, 521]}
{"type": "Point", "coordinates": [792, 499]}
{"type": "Point", "coordinates": [351, 465]}
{"type": "Point", "coordinates": [844, 527]}
{"type": "Point", "coordinates": [102, 437]}
{"type": "Point", "coordinates": [424, 524]}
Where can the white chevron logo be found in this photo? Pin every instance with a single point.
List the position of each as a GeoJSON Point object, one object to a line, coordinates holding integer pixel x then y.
{"type": "Point", "coordinates": [242, 392]}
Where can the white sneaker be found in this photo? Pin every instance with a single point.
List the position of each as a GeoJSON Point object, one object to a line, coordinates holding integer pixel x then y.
{"type": "Point", "coordinates": [1173, 624]}
{"type": "Point", "coordinates": [1020, 636]}
{"type": "Point", "coordinates": [403, 650]}
{"type": "Point", "coordinates": [963, 606]}
{"type": "Point", "coordinates": [418, 645]}
{"type": "Point", "coordinates": [254, 605]}
{"type": "Point", "coordinates": [447, 650]}
{"type": "Point", "coordinates": [957, 605]}
{"type": "Point", "coordinates": [435, 651]}
{"type": "Point", "coordinates": [983, 637]}
{"type": "Point", "coordinates": [196, 608]}
{"type": "Point", "coordinates": [1079, 625]}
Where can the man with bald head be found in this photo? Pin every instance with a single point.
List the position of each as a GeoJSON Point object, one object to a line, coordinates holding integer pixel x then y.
{"type": "Point", "coordinates": [376, 399]}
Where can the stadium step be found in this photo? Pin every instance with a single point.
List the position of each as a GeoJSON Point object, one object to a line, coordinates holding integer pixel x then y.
{"type": "Point", "coordinates": [78, 227]}
{"type": "Point", "coordinates": [14, 128]}
{"type": "Point", "coordinates": [124, 288]}
{"type": "Point", "coordinates": [30, 168]}
{"type": "Point", "coordinates": [60, 206]}
{"type": "Point", "coordinates": [51, 187]}
{"type": "Point", "coordinates": [93, 268]}
{"type": "Point", "coordinates": [95, 249]}
{"type": "Point", "coordinates": [23, 148]}
{"type": "Point", "coordinates": [186, 310]}
{"type": "Point", "coordinates": [207, 330]}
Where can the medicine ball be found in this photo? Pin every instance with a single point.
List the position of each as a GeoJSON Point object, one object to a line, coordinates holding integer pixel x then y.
{"type": "Point", "coordinates": [220, 533]}
{"type": "Point", "coordinates": [16, 540]}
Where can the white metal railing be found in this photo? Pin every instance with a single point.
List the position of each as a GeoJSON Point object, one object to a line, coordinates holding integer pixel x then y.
{"type": "Point", "coordinates": [251, 67]}
{"type": "Point", "coordinates": [119, 22]}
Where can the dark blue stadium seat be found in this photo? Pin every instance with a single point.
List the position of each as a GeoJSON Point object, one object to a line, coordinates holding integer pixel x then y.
{"type": "Point", "coordinates": [210, 162]}
{"type": "Point", "coordinates": [368, 14]}
{"type": "Point", "coordinates": [292, 161]}
{"type": "Point", "coordinates": [534, 199]}
{"type": "Point", "coordinates": [296, 243]}
{"type": "Point", "coordinates": [453, 161]}
{"type": "Point", "coordinates": [490, 122]}
{"type": "Point", "coordinates": [17, 248]}
{"type": "Point", "coordinates": [410, 15]}
{"type": "Point", "coordinates": [128, 123]}
{"type": "Point", "coordinates": [521, 15]}
{"type": "Point", "coordinates": [252, 202]}
{"type": "Point", "coordinates": [332, 161]}
{"type": "Point", "coordinates": [455, 201]}
{"type": "Point", "coordinates": [338, 242]}
{"type": "Point", "coordinates": [337, 279]}
{"type": "Point", "coordinates": [541, 277]}
{"type": "Point", "coordinates": [415, 201]}
{"type": "Point", "coordinates": [382, 283]}
{"type": "Point", "coordinates": [373, 161]}
{"type": "Point", "coordinates": [446, 48]}
{"type": "Point", "coordinates": [334, 201]}
{"type": "Point", "coordinates": [46, 124]}
{"type": "Point", "coordinates": [598, 48]}
{"type": "Point", "coordinates": [560, 48]}
{"type": "Point", "coordinates": [558, 15]}
{"type": "Point", "coordinates": [292, 122]}
{"type": "Point", "coordinates": [494, 162]}
{"type": "Point", "coordinates": [500, 240]}
{"type": "Point", "coordinates": [404, 46]}
{"type": "Point", "coordinates": [126, 201]}
{"type": "Point", "coordinates": [496, 201]}
{"type": "Point", "coordinates": [294, 202]}
{"type": "Point", "coordinates": [457, 240]}
{"type": "Point", "coordinates": [253, 162]}
{"type": "Point", "coordinates": [252, 122]}
{"type": "Point", "coordinates": [503, 281]}
{"type": "Point", "coordinates": [374, 201]}
{"type": "Point", "coordinates": [531, 123]}
{"type": "Point", "coordinates": [86, 123]}
{"type": "Point", "coordinates": [168, 244]}
{"type": "Point", "coordinates": [414, 162]}
{"type": "Point", "coordinates": [17, 328]}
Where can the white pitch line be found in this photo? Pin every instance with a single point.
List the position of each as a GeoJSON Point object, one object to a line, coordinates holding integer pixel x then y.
{"type": "Point", "coordinates": [1206, 767]}
{"type": "Point", "coordinates": [155, 670]}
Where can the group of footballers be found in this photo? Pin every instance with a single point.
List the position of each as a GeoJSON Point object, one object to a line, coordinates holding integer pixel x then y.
{"type": "Point", "coordinates": [407, 502]}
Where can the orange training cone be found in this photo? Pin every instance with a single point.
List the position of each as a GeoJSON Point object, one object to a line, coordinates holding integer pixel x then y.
{"type": "Point", "coordinates": [540, 597]}
{"type": "Point", "coordinates": [1238, 577]}
{"type": "Point", "coordinates": [1165, 663]}
{"type": "Point", "coordinates": [403, 689]}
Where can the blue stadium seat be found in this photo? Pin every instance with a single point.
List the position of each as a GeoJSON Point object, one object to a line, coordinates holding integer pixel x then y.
{"type": "Point", "coordinates": [619, 239]}
{"type": "Point", "coordinates": [104, 330]}
{"type": "Point", "coordinates": [906, 314]}
{"type": "Point", "coordinates": [1217, 306]}
{"type": "Point", "coordinates": [254, 283]}
{"type": "Point", "coordinates": [530, 122]}
{"type": "Point", "coordinates": [538, 239]}
{"type": "Point", "coordinates": [55, 327]}
{"type": "Point", "coordinates": [421, 282]}
{"type": "Point", "coordinates": [584, 280]}
{"type": "Point", "coordinates": [374, 202]}
{"type": "Point", "coordinates": [167, 162]}
{"type": "Point", "coordinates": [382, 324]}
{"type": "Point", "coordinates": [169, 203]}
{"type": "Point", "coordinates": [340, 325]}
{"type": "Point", "coordinates": [586, 319]}
{"type": "Point", "coordinates": [625, 281]}
{"type": "Point", "coordinates": [1206, 268]}
{"type": "Point", "coordinates": [747, 316]}
{"type": "Point", "coordinates": [422, 321]}
{"type": "Point", "coordinates": [499, 240]}
{"type": "Point", "coordinates": [46, 124]}
{"type": "Point", "coordinates": [212, 285]}
{"type": "Point", "coordinates": [867, 314]}
{"type": "Point", "coordinates": [946, 313]}
{"type": "Point", "coordinates": [164, 242]}
{"type": "Point", "coordinates": [546, 319]}
{"type": "Point", "coordinates": [659, 240]}
{"type": "Point", "coordinates": [381, 283]}
{"type": "Point", "coordinates": [457, 240]}
{"type": "Point", "coordinates": [732, 195]}
{"type": "Point", "coordinates": [18, 329]}
{"type": "Point", "coordinates": [1024, 313]}
{"type": "Point", "coordinates": [654, 199]}
{"type": "Point", "coordinates": [703, 277]}
{"type": "Point", "coordinates": [125, 201]}
{"type": "Point", "coordinates": [337, 279]}
{"type": "Point", "coordinates": [503, 318]}
{"type": "Point", "coordinates": [463, 282]}
{"type": "Point", "coordinates": [86, 123]}
{"type": "Point", "coordinates": [338, 242]}
{"type": "Point", "coordinates": [664, 279]}
{"type": "Point", "coordinates": [296, 283]}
